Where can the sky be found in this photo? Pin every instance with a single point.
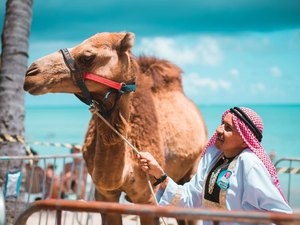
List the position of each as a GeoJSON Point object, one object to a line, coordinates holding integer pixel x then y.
{"type": "Point", "coordinates": [231, 52]}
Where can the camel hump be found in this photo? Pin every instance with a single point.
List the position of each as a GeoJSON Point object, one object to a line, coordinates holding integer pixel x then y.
{"type": "Point", "coordinates": [165, 75]}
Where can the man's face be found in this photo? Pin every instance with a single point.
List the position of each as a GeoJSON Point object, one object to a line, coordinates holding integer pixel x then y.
{"type": "Point", "coordinates": [228, 139]}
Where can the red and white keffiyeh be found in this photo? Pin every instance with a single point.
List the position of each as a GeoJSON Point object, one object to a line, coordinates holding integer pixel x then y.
{"type": "Point", "coordinates": [252, 142]}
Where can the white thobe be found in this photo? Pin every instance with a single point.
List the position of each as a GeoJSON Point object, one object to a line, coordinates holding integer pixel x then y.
{"type": "Point", "coordinates": [250, 186]}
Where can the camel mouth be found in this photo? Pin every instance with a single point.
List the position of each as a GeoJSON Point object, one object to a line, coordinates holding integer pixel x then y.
{"type": "Point", "coordinates": [34, 89]}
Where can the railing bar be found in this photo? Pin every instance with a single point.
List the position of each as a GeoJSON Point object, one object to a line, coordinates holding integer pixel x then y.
{"type": "Point", "coordinates": [44, 179]}
{"type": "Point", "coordinates": [7, 165]}
{"type": "Point", "coordinates": [289, 171]}
{"type": "Point", "coordinates": [58, 217]}
{"type": "Point", "coordinates": [40, 218]}
{"type": "Point", "coordinates": [30, 183]}
{"type": "Point", "coordinates": [52, 178]}
{"type": "Point", "coordinates": [5, 158]}
{"type": "Point", "coordinates": [61, 183]}
{"type": "Point", "coordinates": [216, 222]}
{"type": "Point", "coordinates": [60, 187]}
{"type": "Point", "coordinates": [47, 216]}
{"type": "Point", "coordinates": [73, 217]}
{"type": "Point", "coordinates": [55, 219]}
{"type": "Point", "coordinates": [65, 217]}
{"type": "Point", "coordinates": [88, 218]}
{"type": "Point", "coordinates": [79, 217]}
{"type": "Point", "coordinates": [71, 174]}
{"type": "Point", "coordinates": [289, 183]}
{"type": "Point", "coordinates": [19, 197]}
{"type": "Point", "coordinates": [286, 159]}
{"type": "Point", "coordinates": [154, 211]}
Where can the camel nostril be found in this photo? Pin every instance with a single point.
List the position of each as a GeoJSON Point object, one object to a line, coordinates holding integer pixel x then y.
{"type": "Point", "coordinates": [32, 70]}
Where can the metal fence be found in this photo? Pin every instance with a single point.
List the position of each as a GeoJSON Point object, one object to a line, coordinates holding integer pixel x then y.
{"type": "Point", "coordinates": [215, 216]}
{"type": "Point", "coordinates": [58, 177]}
{"type": "Point", "coordinates": [44, 177]}
{"type": "Point", "coordinates": [2, 208]}
{"type": "Point", "coordinates": [287, 166]}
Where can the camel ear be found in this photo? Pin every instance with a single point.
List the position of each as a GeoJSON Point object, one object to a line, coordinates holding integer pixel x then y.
{"type": "Point", "coordinates": [127, 42]}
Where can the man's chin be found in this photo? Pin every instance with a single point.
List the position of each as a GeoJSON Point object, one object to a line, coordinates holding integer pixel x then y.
{"type": "Point", "coordinates": [219, 144]}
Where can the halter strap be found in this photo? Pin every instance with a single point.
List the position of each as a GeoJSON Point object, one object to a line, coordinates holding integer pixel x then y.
{"type": "Point", "coordinates": [76, 75]}
{"type": "Point", "coordinates": [102, 80]}
{"type": "Point", "coordinates": [113, 84]}
{"type": "Point", "coordinates": [79, 76]}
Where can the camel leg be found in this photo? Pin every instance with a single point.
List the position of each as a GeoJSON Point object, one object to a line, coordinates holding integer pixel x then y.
{"type": "Point", "coordinates": [145, 220]}
{"type": "Point", "coordinates": [186, 222]}
{"type": "Point", "coordinates": [110, 196]}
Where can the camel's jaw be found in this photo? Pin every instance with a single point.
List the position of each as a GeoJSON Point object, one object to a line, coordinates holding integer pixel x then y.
{"type": "Point", "coordinates": [35, 85]}
{"type": "Point", "coordinates": [44, 83]}
{"type": "Point", "coordinates": [34, 89]}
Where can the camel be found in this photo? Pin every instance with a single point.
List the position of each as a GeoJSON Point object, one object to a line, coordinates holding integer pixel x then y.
{"type": "Point", "coordinates": [156, 117]}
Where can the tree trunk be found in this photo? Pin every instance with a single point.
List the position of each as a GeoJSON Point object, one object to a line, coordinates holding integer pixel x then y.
{"type": "Point", "coordinates": [14, 59]}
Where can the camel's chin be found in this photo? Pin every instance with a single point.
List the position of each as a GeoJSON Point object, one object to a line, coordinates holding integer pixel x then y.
{"type": "Point", "coordinates": [37, 90]}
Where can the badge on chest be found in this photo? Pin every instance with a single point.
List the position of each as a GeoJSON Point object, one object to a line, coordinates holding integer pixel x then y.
{"type": "Point", "coordinates": [223, 179]}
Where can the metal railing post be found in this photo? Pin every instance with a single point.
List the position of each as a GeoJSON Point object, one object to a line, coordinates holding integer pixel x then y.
{"type": "Point", "coordinates": [2, 208]}
{"type": "Point", "coordinates": [289, 184]}
{"type": "Point", "coordinates": [58, 217]}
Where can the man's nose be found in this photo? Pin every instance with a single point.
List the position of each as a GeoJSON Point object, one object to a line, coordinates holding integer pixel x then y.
{"type": "Point", "coordinates": [220, 129]}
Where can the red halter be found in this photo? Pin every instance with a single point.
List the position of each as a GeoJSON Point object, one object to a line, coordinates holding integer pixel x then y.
{"type": "Point", "coordinates": [79, 76]}
{"type": "Point", "coordinates": [102, 80]}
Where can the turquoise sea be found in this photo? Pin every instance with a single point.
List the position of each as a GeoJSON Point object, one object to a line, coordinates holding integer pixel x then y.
{"type": "Point", "coordinates": [67, 124]}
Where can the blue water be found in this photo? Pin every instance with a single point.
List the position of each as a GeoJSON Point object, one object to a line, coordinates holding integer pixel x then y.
{"type": "Point", "coordinates": [68, 125]}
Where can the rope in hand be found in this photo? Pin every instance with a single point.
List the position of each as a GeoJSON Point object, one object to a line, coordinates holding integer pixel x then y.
{"type": "Point", "coordinates": [95, 110]}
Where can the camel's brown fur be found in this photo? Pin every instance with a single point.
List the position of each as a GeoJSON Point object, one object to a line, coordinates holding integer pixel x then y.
{"type": "Point", "coordinates": [157, 118]}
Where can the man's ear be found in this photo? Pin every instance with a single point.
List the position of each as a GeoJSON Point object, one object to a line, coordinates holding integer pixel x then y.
{"type": "Point", "coordinates": [127, 42]}
{"type": "Point", "coordinates": [245, 145]}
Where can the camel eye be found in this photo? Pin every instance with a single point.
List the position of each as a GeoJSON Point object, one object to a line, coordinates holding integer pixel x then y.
{"type": "Point", "coordinates": [87, 59]}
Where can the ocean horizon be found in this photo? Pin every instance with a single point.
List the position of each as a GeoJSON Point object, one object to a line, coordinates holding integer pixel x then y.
{"type": "Point", "coordinates": [68, 124]}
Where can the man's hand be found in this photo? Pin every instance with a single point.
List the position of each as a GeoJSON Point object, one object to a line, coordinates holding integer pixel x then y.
{"type": "Point", "coordinates": [150, 165]}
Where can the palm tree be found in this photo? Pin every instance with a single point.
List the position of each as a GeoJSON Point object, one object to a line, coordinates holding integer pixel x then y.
{"type": "Point", "coordinates": [14, 59]}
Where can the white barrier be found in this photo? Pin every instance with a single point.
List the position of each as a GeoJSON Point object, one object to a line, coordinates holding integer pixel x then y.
{"type": "Point", "coordinates": [47, 177]}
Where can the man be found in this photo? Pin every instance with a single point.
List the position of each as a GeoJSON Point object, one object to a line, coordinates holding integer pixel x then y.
{"type": "Point", "coordinates": [234, 173]}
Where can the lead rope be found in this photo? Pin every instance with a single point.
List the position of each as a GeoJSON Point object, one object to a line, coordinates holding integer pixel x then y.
{"type": "Point", "coordinates": [94, 110]}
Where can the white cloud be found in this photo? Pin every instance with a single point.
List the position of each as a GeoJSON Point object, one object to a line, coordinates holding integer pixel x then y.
{"type": "Point", "coordinates": [168, 48]}
{"type": "Point", "coordinates": [206, 51]}
{"type": "Point", "coordinates": [194, 81]}
{"type": "Point", "coordinates": [257, 88]}
{"type": "Point", "coordinates": [275, 71]}
{"type": "Point", "coordinates": [209, 51]}
{"type": "Point", "coordinates": [234, 72]}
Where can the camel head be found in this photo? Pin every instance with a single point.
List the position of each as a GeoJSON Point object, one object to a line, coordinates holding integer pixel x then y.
{"type": "Point", "coordinates": [106, 55]}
